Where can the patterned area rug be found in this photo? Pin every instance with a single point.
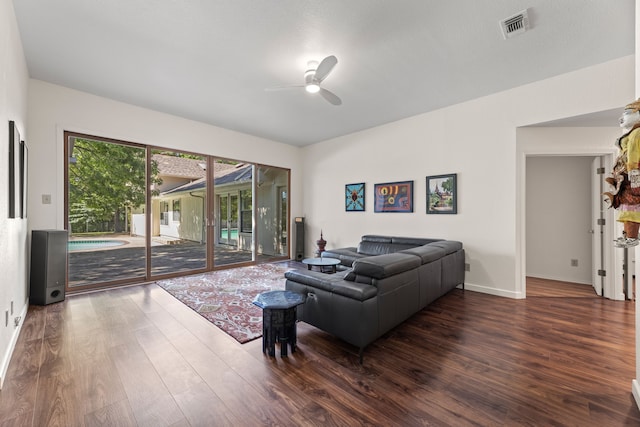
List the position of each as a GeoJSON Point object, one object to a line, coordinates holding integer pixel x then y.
{"type": "Point", "coordinates": [225, 297]}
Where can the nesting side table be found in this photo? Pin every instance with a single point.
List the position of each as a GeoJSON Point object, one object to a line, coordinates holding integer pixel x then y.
{"type": "Point", "coordinates": [278, 320]}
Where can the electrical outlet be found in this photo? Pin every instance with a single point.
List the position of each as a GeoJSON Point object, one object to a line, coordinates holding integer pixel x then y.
{"type": "Point", "coordinates": [46, 199]}
{"type": "Point", "coordinates": [467, 266]}
{"type": "Point", "coordinates": [574, 263]}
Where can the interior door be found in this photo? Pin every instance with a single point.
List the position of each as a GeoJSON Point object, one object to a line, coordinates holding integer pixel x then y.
{"type": "Point", "coordinates": [598, 224]}
{"type": "Point", "coordinates": [608, 261]}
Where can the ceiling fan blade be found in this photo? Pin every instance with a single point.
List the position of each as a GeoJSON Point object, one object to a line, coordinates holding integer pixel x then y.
{"type": "Point", "coordinates": [330, 96]}
{"type": "Point", "coordinates": [325, 67]}
{"type": "Point", "coordinates": [276, 88]}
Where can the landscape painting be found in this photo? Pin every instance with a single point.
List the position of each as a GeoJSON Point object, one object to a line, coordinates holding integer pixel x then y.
{"type": "Point", "coordinates": [442, 197]}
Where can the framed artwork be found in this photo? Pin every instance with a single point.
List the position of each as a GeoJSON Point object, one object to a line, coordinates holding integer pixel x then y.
{"type": "Point", "coordinates": [14, 170]}
{"type": "Point", "coordinates": [24, 157]}
{"type": "Point", "coordinates": [442, 194]}
{"type": "Point", "coordinates": [354, 197]}
{"type": "Point", "coordinates": [393, 197]}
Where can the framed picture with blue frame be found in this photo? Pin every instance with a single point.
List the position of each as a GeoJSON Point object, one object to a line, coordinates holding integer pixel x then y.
{"type": "Point", "coordinates": [354, 197]}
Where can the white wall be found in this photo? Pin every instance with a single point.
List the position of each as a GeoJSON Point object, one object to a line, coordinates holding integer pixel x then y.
{"type": "Point", "coordinates": [14, 258]}
{"type": "Point", "coordinates": [54, 109]}
{"type": "Point", "coordinates": [477, 140]}
{"type": "Point", "coordinates": [558, 218]}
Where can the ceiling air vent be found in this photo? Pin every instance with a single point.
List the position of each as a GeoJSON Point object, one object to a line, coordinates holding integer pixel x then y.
{"type": "Point", "coordinates": [514, 25]}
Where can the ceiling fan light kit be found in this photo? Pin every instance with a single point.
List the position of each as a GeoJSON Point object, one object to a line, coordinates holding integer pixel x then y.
{"type": "Point", "coordinates": [314, 75]}
{"type": "Point", "coordinates": [311, 85]}
{"type": "Point", "coordinates": [312, 88]}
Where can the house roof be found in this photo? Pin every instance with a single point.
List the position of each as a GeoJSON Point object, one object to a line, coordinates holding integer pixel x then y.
{"type": "Point", "coordinates": [211, 61]}
{"type": "Point", "coordinates": [239, 174]}
{"type": "Point", "coordinates": [179, 166]}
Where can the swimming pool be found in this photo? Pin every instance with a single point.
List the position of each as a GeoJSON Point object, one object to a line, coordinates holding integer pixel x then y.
{"type": "Point", "coordinates": [86, 245]}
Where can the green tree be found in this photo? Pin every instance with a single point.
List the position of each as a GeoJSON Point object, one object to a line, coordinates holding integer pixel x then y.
{"type": "Point", "coordinates": [447, 185]}
{"type": "Point", "coordinates": [105, 179]}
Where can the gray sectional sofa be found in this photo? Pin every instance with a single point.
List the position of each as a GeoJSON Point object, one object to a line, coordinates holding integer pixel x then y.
{"type": "Point", "coordinates": [386, 280]}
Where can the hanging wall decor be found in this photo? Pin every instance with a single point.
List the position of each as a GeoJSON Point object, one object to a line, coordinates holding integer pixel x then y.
{"type": "Point", "coordinates": [442, 194]}
{"type": "Point", "coordinates": [14, 170]}
{"type": "Point", "coordinates": [24, 161]}
{"type": "Point", "coordinates": [354, 197]}
{"type": "Point", "coordinates": [393, 197]}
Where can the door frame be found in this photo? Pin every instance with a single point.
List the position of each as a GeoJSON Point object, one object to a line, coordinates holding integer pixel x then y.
{"type": "Point", "coordinates": [613, 289]}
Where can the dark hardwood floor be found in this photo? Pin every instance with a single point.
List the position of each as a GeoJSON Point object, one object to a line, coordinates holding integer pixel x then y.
{"type": "Point", "coordinates": [537, 287]}
{"type": "Point", "coordinates": [137, 356]}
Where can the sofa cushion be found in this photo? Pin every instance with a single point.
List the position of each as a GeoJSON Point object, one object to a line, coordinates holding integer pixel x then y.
{"type": "Point", "coordinates": [381, 266]}
{"type": "Point", "coordinates": [379, 245]}
{"type": "Point", "coordinates": [376, 248]}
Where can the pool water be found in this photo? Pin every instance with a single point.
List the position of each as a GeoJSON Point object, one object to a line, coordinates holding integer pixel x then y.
{"type": "Point", "coordinates": [84, 245]}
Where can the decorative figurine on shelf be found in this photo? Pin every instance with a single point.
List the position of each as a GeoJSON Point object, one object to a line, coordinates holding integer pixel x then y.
{"type": "Point", "coordinates": [321, 244]}
{"type": "Point", "coordinates": [625, 179]}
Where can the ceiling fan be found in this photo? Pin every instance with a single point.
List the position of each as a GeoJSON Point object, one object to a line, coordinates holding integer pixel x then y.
{"type": "Point", "coordinates": [314, 75]}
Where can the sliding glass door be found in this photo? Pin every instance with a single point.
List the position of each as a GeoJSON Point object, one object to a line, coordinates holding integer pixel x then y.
{"type": "Point", "coordinates": [251, 214]}
{"type": "Point", "coordinates": [178, 213]}
{"type": "Point", "coordinates": [137, 213]}
{"type": "Point", "coordinates": [106, 184]}
{"type": "Point", "coordinates": [271, 203]}
{"type": "Point", "coordinates": [232, 182]}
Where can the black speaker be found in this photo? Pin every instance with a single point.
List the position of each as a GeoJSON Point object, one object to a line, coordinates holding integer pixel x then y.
{"type": "Point", "coordinates": [48, 266]}
{"type": "Point", "coordinates": [299, 238]}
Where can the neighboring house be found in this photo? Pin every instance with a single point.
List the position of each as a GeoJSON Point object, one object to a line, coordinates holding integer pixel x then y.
{"type": "Point", "coordinates": [168, 202]}
{"type": "Point", "coordinates": [173, 172]}
{"type": "Point", "coordinates": [178, 205]}
{"type": "Point", "coordinates": [183, 209]}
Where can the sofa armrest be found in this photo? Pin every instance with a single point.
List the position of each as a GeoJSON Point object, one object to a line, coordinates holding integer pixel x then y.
{"type": "Point", "coordinates": [354, 290]}
{"type": "Point", "coordinates": [382, 266]}
{"type": "Point", "coordinates": [315, 279]}
{"type": "Point", "coordinates": [334, 284]}
{"type": "Point", "coordinates": [449, 246]}
{"type": "Point", "coordinates": [427, 253]}
{"type": "Point", "coordinates": [345, 255]}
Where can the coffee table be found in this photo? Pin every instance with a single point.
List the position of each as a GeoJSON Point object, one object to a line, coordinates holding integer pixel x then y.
{"type": "Point", "coordinates": [321, 263]}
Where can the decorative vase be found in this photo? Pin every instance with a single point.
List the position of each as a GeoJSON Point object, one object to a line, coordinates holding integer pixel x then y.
{"type": "Point", "coordinates": [321, 244]}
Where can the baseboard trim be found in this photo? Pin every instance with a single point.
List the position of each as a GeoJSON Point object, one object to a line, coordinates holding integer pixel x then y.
{"type": "Point", "coordinates": [635, 389]}
{"type": "Point", "coordinates": [493, 291]}
{"type": "Point", "coordinates": [12, 344]}
{"type": "Point", "coordinates": [560, 279]}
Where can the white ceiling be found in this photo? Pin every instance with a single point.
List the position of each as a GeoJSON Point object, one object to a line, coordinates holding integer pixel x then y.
{"type": "Point", "coordinates": [211, 60]}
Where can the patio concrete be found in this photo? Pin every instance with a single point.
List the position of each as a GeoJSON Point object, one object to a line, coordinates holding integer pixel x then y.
{"type": "Point", "coordinates": [128, 261]}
